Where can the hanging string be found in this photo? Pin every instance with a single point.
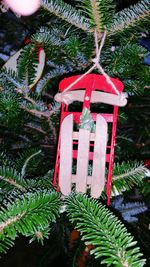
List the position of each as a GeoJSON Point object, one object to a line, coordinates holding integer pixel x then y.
{"type": "Point", "coordinates": [96, 60]}
{"type": "Point", "coordinates": [96, 65]}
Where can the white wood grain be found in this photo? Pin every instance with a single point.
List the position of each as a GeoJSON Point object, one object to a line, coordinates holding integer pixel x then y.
{"type": "Point", "coordinates": [99, 158]}
{"type": "Point", "coordinates": [66, 155]}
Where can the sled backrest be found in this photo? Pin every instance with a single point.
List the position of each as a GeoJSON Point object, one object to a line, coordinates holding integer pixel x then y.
{"type": "Point", "coordinates": [92, 88]}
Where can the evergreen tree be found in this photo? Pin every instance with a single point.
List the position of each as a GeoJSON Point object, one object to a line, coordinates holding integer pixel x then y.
{"type": "Point", "coordinates": [29, 118]}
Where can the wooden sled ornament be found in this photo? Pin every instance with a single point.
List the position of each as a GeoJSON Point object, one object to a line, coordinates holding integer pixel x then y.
{"type": "Point", "coordinates": [82, 146]}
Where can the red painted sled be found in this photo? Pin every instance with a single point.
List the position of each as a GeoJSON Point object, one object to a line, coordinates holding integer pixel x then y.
{"type": "Point", "coordinates": [81, 146]}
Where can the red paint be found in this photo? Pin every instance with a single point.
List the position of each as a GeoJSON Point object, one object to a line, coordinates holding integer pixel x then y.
{"type": "Point", "coordinates": [91, 82]}
{"type": "Point", "coordinates": [147, 162]}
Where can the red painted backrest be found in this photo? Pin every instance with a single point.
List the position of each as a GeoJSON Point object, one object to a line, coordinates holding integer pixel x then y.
{"type": "Point", "coordinates": [91, 82]}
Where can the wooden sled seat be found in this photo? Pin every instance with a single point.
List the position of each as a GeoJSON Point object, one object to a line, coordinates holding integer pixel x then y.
{"type": "Point", "coordinates": [83, 138]}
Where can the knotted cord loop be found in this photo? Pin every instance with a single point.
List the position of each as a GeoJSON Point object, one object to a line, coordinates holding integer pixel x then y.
{"type": "Point", "coordinates": [96, 65]}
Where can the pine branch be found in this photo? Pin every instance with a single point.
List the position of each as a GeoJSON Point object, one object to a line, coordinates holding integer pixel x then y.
{"type": "Point", "coordinates": [99, 13]}
{"type": "Point", "coordinates": [131, 17]}
{"type": "Point", "coordinates": [40, 183]}
{"type": "Point", "coordinates": [29, 99]}
{"type": "Point", "coordinates": [36, 113]}
{"type": "Point", "coordinates": [59, 70]}
{"type": "Point", "coordinates": [100, 228]}
{"type": "Point", "coordinates": [9, 77]}
{"type": "Point", "coordinates": [47, 37]}
{"type": "Point", "coordinates": [62, 46]}
{"type": "Point", "coordinates": [27, 64]}
{"type": "Point", "coordinates": [130, 209]}
{"type": "Point", "coordinates": [9, 176]}
{"type": "Point", "coordinates": [91, 8]}
{"type": "Point", "coordinates": [67, 13]}
{"type": "Point", "coordinates": [126, 175]}
{"type": "Point", "coordinates": [4, 159]}
{"type": "Point", "coordinates": [130, 171]}
{"type": "Point", "coordinates": [5, 244]}
{"type": "Point", "coordinates": [44, 82]}
{"type": "Point", "coordinates": [27, 159]}
{"type": "Point", "coordinates": [121, 62]}
{"type": "Point", "coordinates": [12, 182]}
{"type": "Point", "coordinates": [26, 214]}
{"type": "Point", "coordinates": [35, 127]}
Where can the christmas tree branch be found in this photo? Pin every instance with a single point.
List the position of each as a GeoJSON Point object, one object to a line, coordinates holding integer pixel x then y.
{"type": "Point", "coordinates": [27, 214]}
{"type": "Point", "coordinates": [132, 172]}
{"type": "Point", "coordinates": [67, 13]}
{"type": "Point", "coordinates": [130, 17]}
{"type": "Point", "coordinates": [100, 228]}
{"type": "Point", "coordinates": [126, 176]}
{"type": "Point", "coordinates": [39, 114]}
{"type": "Point", "coordinates": [13, 182]}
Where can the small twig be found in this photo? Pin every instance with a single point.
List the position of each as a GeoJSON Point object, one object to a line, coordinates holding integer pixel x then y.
{"type": "Point", "coordinates": [13, 182]}
{"type": "Point", "coordinates": [40, 130]}
{"type": "Point", "coordinates": [10, 221]}
{"type": "Point", "coordinates": [27, 89]}
{"type": "Point", "coordinates": [26, 97]}
{"type": "Point", "coordinates": [48, 96]}
{"type": "Point", "coordinates": [38, 114]}
{"type": "Point", "coordinates": [47, 146]}
{"type": "Point", "coordinates": [96, 42]}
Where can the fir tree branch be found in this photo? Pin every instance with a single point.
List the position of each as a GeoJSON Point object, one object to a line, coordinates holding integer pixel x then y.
{"type": "Point", "coordinates": [95, 11]}
{"type": "Point", "coordinates": [100, 228]}
{"type": "Point", "coordinates": [36, 113]}
{"type": "Point", "coordinates": [129, 210]}
{"type": "Point", "coordinates": [27, 65]}
{"type": "Point", "coordinates": [38, 129]}
{"type": "Point", "coordinates": [29, 99]}
{"type": "Point", "coordinates": [67, 13]}
{"type": "Point", "coordinates": [126, 175]}
{"type": "Point", "coordinates": [11, 77]}
{"type": "Point", "coordinates": [99, 12]}
{"type": "Point", "coordinates": [130, 17]}
{"type": "Point", "coordinates": [12, 182]}
{"type": "Point", "coordinates": [11, 177]}
{"type": "Point", "coordinates": [27, 214]}
{"type": "Point", "coordinates": [10, 221]}
{"type": "Point", "coordinates": [91, 8]}
{"type": "Point", "coordinates": [137, 170]}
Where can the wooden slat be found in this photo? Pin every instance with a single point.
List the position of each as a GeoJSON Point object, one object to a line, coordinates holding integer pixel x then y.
{"type": "Point", "coordinates": [82, 160]}
{"type": "Point", "coordinates": [111, 99]}
{"type": "Point", "coordinates": [96, 97]}
{"type": "Point", "coordinates": [76, 116]}
{"type": "Point", "coordinates": [99, 158]}
{"type": "Point", "coordinates": [66, 155]}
